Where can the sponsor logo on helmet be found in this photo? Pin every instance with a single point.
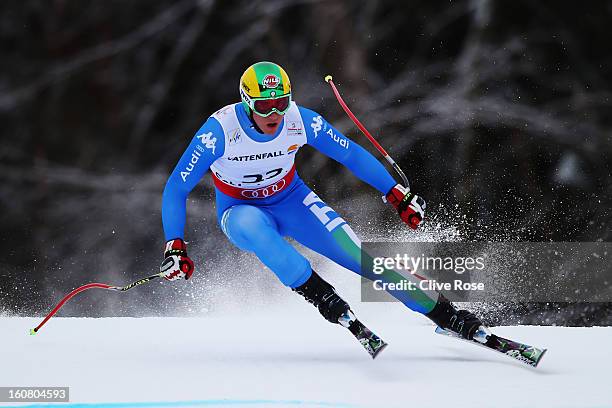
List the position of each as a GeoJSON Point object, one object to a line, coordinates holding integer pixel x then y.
{"type": "Point", "coordinates": [271, 81]}
{"type": "Point", "coordinates": [245, 87]}
{"type": "Point", "coordinates": [264, 191]}
{"type": "Point", "coordinates": [246, 97]}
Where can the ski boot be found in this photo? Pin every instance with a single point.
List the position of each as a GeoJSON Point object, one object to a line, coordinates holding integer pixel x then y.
{"type": "Point", "coordinates": [335, 310]}
{"type": "Point", "coordinates": [463, 323]}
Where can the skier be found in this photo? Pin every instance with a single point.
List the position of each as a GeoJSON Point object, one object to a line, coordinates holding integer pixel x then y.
{"type": "Point", "coordinates": [250, 149]}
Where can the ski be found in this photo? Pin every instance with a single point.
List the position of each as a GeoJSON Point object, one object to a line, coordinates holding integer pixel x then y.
{"type": "Point", "coordinates": [368, 340]}
{"type": "Point", "coordinates": [519, 351]}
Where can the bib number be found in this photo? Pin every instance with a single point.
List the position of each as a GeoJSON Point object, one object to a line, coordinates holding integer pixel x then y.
{"type": "Point", "coordinates": [258, 178]}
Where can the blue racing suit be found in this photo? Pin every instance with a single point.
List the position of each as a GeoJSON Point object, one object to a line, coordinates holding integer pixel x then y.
{"type": "Point", "coordinates": [259, 225]}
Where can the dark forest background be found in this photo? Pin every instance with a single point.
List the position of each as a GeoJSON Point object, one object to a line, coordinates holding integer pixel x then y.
{"type": "Point", "coordinates": [499, 112]}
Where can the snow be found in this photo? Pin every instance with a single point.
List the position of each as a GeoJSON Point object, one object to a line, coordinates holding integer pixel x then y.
{"type": "Point", "coordinates": [287, 355]}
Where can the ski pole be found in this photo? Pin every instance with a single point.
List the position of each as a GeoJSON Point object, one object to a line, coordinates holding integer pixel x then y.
{"type": "Point", "coordinates": [92, 286]}
{"type": "Point", "coordinates": [363, 129]}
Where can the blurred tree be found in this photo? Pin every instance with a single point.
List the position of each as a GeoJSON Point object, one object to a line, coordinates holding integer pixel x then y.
{"type": "Point", "coordinates": [497, 111]}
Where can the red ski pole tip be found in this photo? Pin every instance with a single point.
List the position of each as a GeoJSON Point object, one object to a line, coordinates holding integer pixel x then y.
{"type": "Point", "coordinates": [328, 78]}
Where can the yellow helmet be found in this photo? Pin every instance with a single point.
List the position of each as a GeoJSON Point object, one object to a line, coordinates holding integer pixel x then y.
{"type": "Point", "coordinates": [265, 88]}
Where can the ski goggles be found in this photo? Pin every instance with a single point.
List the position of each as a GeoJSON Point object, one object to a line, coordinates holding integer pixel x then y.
{"type": "Point", "coordinates": [266, 107]}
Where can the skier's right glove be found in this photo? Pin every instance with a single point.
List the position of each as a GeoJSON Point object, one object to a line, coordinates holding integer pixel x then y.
{"type": "Point", "coordinates": [410, 207]}
{"type": "Point", "coordinates": [177, 264]}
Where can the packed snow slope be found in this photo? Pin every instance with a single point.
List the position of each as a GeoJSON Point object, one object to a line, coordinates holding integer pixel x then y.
{"type": "Point", "coordinates": [287, 355]}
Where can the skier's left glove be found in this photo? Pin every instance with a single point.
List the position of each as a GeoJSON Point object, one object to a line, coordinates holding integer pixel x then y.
{"type": "Point", "coordinates": [177, 264]}
{"type": "Point", "coordinates": [410, 207]}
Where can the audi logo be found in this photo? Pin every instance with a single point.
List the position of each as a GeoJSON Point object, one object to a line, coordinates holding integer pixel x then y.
{"type": "Point", "coordinates": [264, 191]}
